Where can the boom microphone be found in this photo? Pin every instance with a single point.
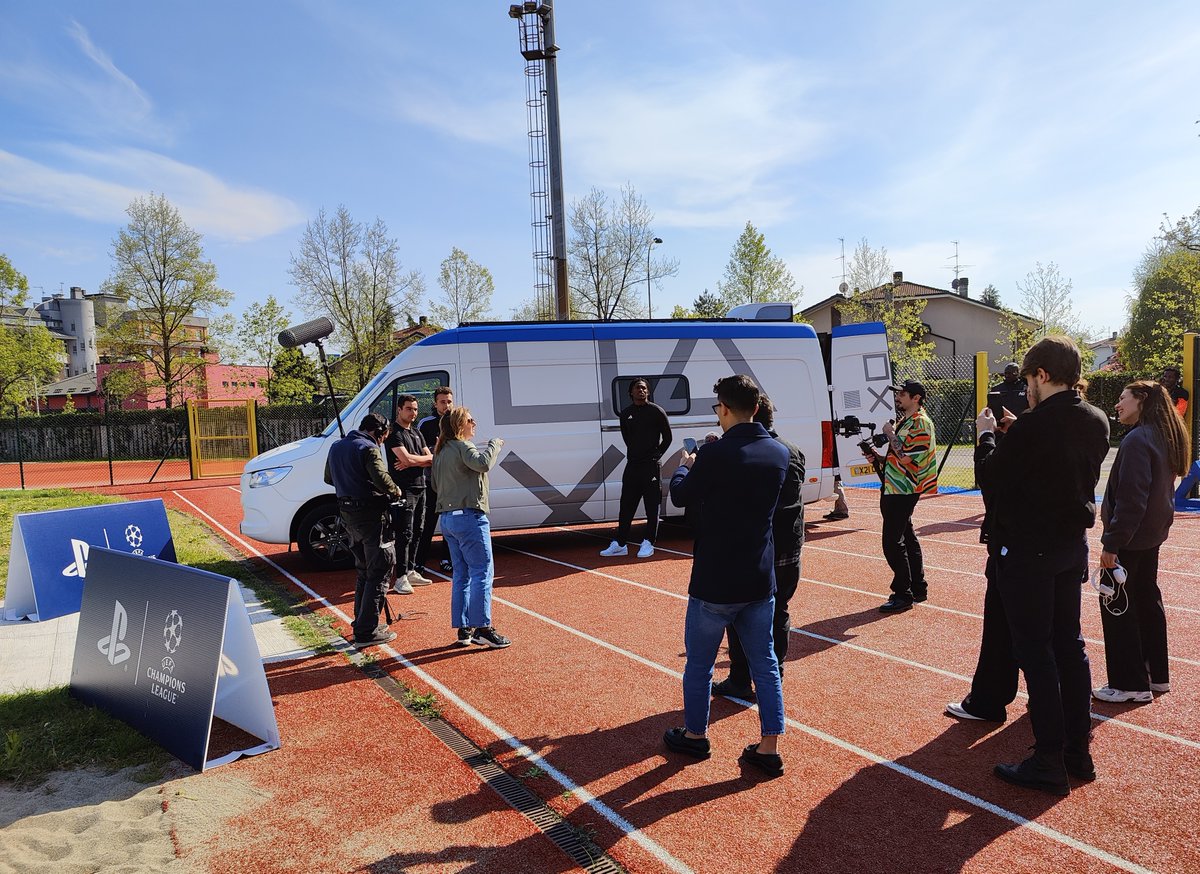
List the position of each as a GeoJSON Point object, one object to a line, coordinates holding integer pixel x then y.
{"type": "Point", "coordinates": [309, 332]}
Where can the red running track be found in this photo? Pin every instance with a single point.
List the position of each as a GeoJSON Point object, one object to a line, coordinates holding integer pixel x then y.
{"type": "Point", "coordinates": [877, 777]}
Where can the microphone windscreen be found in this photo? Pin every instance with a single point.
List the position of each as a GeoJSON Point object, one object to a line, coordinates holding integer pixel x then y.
{"type": "Point", "coordinates": [308, 332]}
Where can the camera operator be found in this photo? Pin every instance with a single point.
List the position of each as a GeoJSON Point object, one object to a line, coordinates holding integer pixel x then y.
{"type": "Point", "coordinates": [907, 469]}
{"type": "Point", "coordinates": [356, 470]}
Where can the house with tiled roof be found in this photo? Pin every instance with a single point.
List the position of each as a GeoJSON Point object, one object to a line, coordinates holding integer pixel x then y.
{"type": "Point", "coordinates": [955, 323]}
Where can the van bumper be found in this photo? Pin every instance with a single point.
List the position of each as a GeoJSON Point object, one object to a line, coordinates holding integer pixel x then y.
{"type": "Point", "coordinates": [266, 517]}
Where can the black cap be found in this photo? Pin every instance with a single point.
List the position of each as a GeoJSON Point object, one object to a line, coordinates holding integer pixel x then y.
{"type": "Point", "coordinates": [373, 423]}
{"type": "Point", "coordinates": [911, 386]}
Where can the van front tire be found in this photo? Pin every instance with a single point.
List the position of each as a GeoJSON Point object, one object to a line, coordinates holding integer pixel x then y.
{"type": "Point", "coordinates": [322, 538]}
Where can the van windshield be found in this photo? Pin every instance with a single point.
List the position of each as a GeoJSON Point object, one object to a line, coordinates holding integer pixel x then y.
{"type": "Point", "coordinates": [369, 388]}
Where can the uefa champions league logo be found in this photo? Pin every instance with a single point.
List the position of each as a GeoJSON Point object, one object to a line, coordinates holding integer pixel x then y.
{"type": "Point", "coordinates": [133, 536]}
{"type": "Point", "coordinates": [173, 631]}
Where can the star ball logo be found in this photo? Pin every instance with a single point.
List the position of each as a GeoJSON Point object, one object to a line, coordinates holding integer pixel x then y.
{"type": "Point", "coordinates": [133, 536]}
{"type": "Point", "coordinates": [112, 647]}
{"type": "Point", "coordinates": [173, 631]}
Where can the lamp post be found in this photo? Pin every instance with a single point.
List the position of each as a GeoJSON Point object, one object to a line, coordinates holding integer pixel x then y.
{"type": "Point", "coordinates": [650, 246]}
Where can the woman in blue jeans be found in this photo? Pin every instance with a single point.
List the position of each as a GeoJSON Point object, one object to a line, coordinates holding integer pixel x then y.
{"type": "Point", "coordinates": [460, 478]}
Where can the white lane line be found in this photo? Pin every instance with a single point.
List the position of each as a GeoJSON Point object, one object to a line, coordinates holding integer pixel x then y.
{"type": "Point", "coordinates": [1161, 735]}
{"type": "Point", "coordinates": [619, 822]}
{"type": "Point", "coordinates": [926, 780]}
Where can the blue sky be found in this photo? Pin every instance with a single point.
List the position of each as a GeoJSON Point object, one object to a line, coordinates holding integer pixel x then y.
{"type": "Point", "coordinates": [1025, 131]}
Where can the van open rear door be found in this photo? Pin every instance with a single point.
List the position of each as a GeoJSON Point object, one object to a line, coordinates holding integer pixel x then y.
{"type": "Point", "coordinates": [859, 373]}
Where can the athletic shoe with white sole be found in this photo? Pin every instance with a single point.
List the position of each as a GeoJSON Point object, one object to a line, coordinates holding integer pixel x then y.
{"type": "Point", "coordinates": [464, 636]}
{"type": "Point", "coordinates": [1160, 687]}
{"type": "Point", "coordinates": [646, 549]}
{"type": "Point", "coordinates": [489, 636]}
{"type": "Point", "coordinates": [1120, 696]}
{"type": "Point", "coordinates": [415, 579]}
{"type": "Point", "coordinates": [401, 586]}
{"type": "Point", "coordinates": [615, 548]}
{"type": "Point", "coordinates": [955, 708]}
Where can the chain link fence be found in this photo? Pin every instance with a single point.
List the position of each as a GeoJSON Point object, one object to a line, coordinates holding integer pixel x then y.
{"type": "Point", "coordinates": [950, 402]}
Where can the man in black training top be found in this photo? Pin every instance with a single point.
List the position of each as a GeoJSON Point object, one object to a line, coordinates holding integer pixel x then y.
{"type": "Point", "coordinates": [357, 473]}
{"type": "Point", "coordinates": [647, 434]}
{"type": "Point", "coordinates": [408, 458]}
{"type": "Point", "coordinates": [1013, 393]}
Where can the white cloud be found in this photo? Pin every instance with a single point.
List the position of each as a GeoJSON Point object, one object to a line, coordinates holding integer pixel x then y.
{"type": "Point", "coordinates": [122, 89]}
{"type": "Point", "coordinates": [100, 185]}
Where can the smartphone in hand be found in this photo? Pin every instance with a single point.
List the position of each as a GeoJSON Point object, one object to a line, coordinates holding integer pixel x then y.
{"type": "Point", "coordinates": [995, 404]}
{"type": "Point", "coordinates": [689, 445]}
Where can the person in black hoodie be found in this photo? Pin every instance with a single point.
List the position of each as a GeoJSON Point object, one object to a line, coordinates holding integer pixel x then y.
{"type": "Point", "coordinates": [1040, 484]}
{"type": "Point", "coordinates": [1137, 513]}
{"type": "Point", "coordinates": [647, 434]}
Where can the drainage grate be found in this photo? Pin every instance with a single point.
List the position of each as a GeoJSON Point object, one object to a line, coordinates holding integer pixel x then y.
{"type": "Point", "coordinates": [564, 835]}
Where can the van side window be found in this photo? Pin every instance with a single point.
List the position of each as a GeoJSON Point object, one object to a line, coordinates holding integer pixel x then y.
{"type": "Point", "coordinates": [419, 384]}
{"type": "Point", "coordinates": [669, 391]}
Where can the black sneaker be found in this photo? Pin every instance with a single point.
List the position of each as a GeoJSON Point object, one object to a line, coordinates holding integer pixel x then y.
{"type": "Point", "coordinates": [733, 690]}
{"type": "Point", "coordinates": [896, 604]}
{"type": "Point", "coordinates": [464, 636]}
{"type": "Point", "coordinates": [1040, 771]}
{"type": "Point", "coordinates": [1080, 766]}
{"type": "Point", "coordinates": [771, 763]}
{"type": "Point", "coordinates": [446, 566]}
{"type": "Point", "coordinates": [385, 637]}
{"type": "Point", "coordinates": [490, 637]}
{"type": "Point", "coordinates": [697, 747]}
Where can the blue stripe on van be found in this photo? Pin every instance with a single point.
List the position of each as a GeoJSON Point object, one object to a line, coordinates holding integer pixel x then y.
{"type": "Point", "coordinates": [856, 330]}
{"type": "Point", "coordinates": [619, 331]}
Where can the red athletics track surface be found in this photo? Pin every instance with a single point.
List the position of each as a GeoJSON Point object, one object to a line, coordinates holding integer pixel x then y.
{"type": "Point", "coordinates": [877, 777]}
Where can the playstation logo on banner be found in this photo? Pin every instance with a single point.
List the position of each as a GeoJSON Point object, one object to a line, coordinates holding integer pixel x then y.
{"type": "Point", "coordinates": [112, 647]}
{"type": "Point", "coordinates": [133, 536]}
{"type": "Point", "coordinates": [173, 631]}
{"type": "Point", "coordinates": [78, 568]}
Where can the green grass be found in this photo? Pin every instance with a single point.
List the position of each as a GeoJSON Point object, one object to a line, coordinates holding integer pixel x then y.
{"type": "Point", "coordinates": [424, 705]}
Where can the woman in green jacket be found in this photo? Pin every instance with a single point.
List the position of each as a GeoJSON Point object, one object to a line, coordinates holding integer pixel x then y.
{"type": "Point", "coordinates": [460, 478]}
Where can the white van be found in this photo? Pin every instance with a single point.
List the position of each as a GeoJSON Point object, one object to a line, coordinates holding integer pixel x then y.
{"type": "Point", "coordinates": [554, 391]}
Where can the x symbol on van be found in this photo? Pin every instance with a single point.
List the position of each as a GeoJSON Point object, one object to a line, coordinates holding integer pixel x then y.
{"type": "Point", "coordinates": [569, 507]}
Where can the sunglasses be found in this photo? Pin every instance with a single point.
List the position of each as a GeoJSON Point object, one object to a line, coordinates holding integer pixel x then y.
{"type": "Point", "coordinates": [470, 421]}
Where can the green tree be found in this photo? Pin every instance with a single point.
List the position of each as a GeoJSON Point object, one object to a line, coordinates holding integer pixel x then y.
{"type": "Point", "coordinates": [352, 273]}
{"type": "Point", "coordinates": [1016, 335]}
{"type": "Point", "coordinates": [872, 300]}
{"type": "Point", "coordinates": [29, 354]}
{"type": "Point", "coordinates": [160, 269]}
{"type": "Point", "coordinates": [754, 275]}
{"type": "Point", "coordinates": [294, 380]}
{"type": "Point", "coordinates": [120, 384]}
{"type": "Point", "coordinates": [1167, 305]}
{"type": "Point", "coordinates": [467, 289]}
{"type": "Point", "coordinates": [258, 334]}
{"type": "Point", "coordinates": [990, 296]}
{"type": "Point", "coordinates": [1184, 233]}
{"type": "Point", "coordinates": [608, 252]}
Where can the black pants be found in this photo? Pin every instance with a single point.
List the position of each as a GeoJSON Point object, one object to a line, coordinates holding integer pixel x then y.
{"type": "Point", "coordinates": [994, 685]}
{"type": "Point", "coordinates": [1040, 592]}
{"type": "Point", "coordinates": [373, 561]}
{"type": "Point", "coordinates": [900, 546]}
{"type": "Point", "coordinates": [786, 580]}
{"type": "Point", "coordinates": [408, 517]}
{"type": "Point", "coordinates": [421, 557]}
{"type": "Point", "coordinates": [1135, 643]}
{"type": "Point", "coordinates": [641, 482]}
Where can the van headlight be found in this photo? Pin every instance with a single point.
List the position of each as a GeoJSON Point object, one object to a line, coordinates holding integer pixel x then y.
{"type": "Point", "coordinates": [268, 477]}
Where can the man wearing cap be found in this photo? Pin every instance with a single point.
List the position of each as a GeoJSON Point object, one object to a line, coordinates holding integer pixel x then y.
{"type": "Point", "coordinates": [907, 469]}
{"type": "Point", "coordinates": [1012, 390]}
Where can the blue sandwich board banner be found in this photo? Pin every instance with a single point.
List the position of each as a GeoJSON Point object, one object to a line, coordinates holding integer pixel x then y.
{"type": "Point", "coordinates": [165, 648]}
{"type": "Point", "coordinates": [49, 559]}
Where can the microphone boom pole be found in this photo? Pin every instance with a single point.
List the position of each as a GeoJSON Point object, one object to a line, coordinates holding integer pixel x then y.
{"type": "Point", "coordinates": [314, 332]}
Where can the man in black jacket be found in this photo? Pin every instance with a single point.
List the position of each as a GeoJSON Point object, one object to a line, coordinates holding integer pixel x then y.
{"type": "Point", "coordinates": [737, 481]}
{"type": "Point", "coordinates": [647, 434]}
{"type": "Point", "coordinates": [1041, 485]}
{"type": "Point", "coordinates": [357, 473]}
{"type": "Point", "coordinates": [788, 534]}
{"type": "Point", "coordinates": [408, 457]}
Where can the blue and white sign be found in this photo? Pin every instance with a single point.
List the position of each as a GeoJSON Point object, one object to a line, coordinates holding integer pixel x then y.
{"type": "Point", "coordinates": [166, 647]}
{"type": "Point", "coordinates": [49, 559]}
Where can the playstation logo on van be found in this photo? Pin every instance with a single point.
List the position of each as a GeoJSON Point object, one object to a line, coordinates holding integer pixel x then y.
{"type": "Point", "coordinates": [113, 647]}
{"type": "Point", "coordinates": [78, 568]}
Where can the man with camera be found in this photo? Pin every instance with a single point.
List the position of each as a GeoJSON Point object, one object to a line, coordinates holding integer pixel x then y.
{"type": "Point", "coordinates": [356, 470]}
{"type": "Point", "coordinates": [907, 469]}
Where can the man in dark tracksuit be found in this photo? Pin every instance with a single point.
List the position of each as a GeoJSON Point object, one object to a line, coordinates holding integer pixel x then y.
{"type": "Point", "coordinates": [1041, 484]}
{"type": "Point", "coordinates": [647, 434]}
{"type": "Point", "coordinates": [788, 531]}
{"type": "Point", "coordinates": [357, 473]}
{"type": "Point", "coordinates": [443, 402]}
{"type": "Point", "coordinates": [407, 459]}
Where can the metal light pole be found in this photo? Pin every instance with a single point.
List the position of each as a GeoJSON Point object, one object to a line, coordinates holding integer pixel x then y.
{"type": "Point", "coordinates": [650, 246]}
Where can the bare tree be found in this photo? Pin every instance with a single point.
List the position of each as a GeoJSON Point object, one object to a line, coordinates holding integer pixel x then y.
{"type": "Point", "coordinates": [1184, 233]}
{"type": "Point", "coordinates": [869, 268]}
{"type": "Point", "coordinates": [467, 289]}
{"type": "Point", "coordinates": [1046, 297]}
{"type": "Point", "coordinates": [609, 248]}
{"type": "Point", "coordinates": [352, 274]}
{"type": "Point", "coordinates": [871, 299]}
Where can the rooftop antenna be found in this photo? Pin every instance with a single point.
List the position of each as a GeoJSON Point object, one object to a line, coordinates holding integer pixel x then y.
{"type": "Point", "coordinates": [842, 286]}
{"type": "Point", "coordinates": [957, 268]}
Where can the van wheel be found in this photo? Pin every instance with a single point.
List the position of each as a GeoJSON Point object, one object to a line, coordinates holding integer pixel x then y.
{"type": "Point", "coordinates": [323, 540]}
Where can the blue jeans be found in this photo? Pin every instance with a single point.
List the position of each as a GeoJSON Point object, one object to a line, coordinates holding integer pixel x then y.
{"type": "Point", "coordinates": [704, 629]}
{"type": "Point", "coordinates": [468, 536]}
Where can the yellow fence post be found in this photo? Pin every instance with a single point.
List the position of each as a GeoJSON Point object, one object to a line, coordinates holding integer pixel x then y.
{"type": "Point", "coordinates": [1187, 379]}
{"type": "Point", "coordinates": [982, 380]}
{"type": "Point", "coordinates": [193, 439]}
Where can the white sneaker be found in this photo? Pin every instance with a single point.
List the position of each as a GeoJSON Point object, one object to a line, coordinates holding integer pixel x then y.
{"type": "Point", "coordinates": [415, 579]}
{"type": "Point", "coordinates": [955, 708]}
{"type": "Point", "coordinates": [646, 549]}
{"type": "Point", "coordinates": [1120, 696]}
{"type": "Point", "coordinates": [615, 548]}
{"type": "Point", "coordinates": [1160, 687]}
{"type": "Point", "coordinates": [401, 586]}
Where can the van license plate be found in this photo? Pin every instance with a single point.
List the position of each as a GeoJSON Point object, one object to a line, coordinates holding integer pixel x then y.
{"type": "Point", "coordinates": [861, 470]}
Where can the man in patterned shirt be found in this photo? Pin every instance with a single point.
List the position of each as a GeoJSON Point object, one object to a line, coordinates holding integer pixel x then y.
{"type": "Point", "coordinates": [907, 470]}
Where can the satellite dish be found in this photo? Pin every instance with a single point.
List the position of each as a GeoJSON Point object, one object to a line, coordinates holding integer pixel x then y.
{"type": "Point", "coordinates": [843, 287]}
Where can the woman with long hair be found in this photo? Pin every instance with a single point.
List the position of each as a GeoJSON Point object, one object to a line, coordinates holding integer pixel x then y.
{"type": "Point", "coordinates": [460, 478]}
{"type": "Point", "coordinates": [1137, 514]}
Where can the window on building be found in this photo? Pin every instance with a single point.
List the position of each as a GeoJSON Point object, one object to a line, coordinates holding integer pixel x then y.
{"type": "Point", "coordinates": [72, 327]}
{"type": "Point", "coordinates": [252, 385]}
{"type": "Point", "coordinates": [225, 384]}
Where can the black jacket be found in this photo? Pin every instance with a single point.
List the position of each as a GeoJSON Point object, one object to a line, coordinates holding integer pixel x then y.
{"type": "Point", "coordinates": [1139, 500]}
{"type": "Point", "coordinates": [737, 481]}
{"type": "Point", "coordinates": [788, 527]}
{"type": "Point", "coordinates": [356, 470]}
{"type": "Point", "coordinates": [646, 432]}
{"type": "Point", "coordinates": [1040, 482]}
